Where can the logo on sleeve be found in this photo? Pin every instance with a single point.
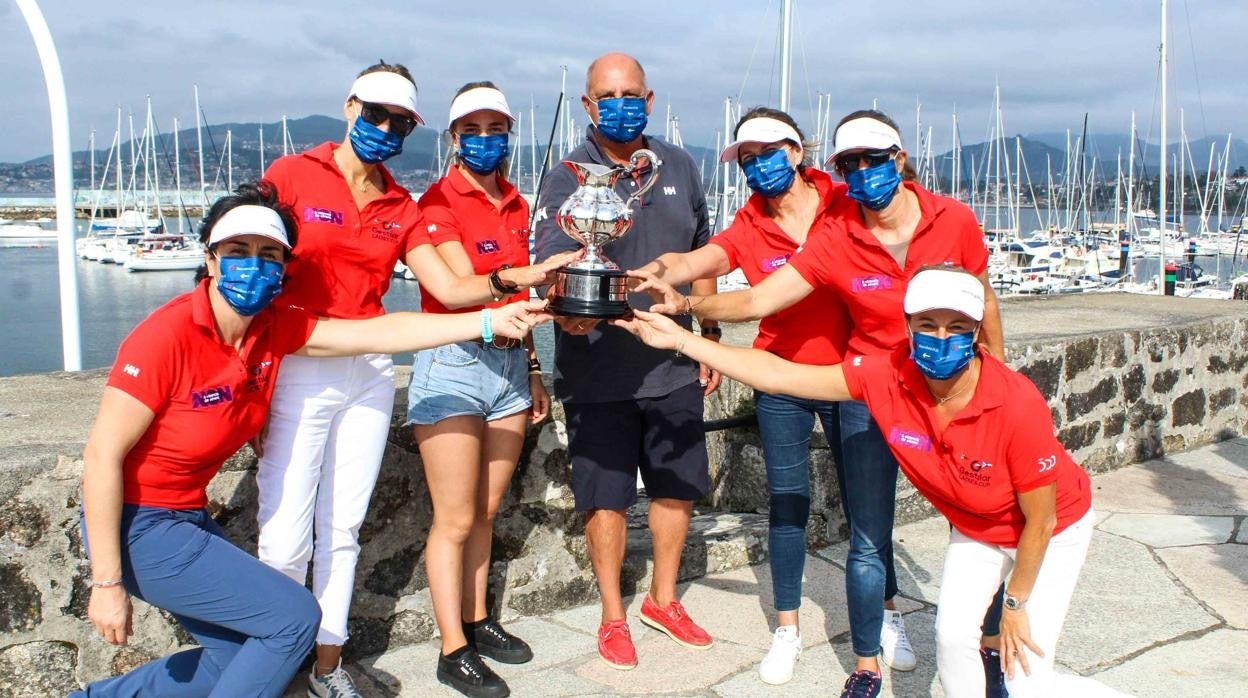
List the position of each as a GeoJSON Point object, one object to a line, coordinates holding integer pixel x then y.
{"type": "Point", "coordinates": [211, 397]}
{"type": "Point", "coordinates": [871, 282]}
{"type": "Point", "coordinates": [909, 439]}
{"type": "Point", "coordinates": [131, 370]}
{"type": "Point", "coordinates": [773, 263]}
{"type": "Point", "coordinates": [1047, 463]}
{"type": "Point", "coordinates": [488, 247]}
{"type": "Point", "coordinates": [856, 361]}
{"type": "Point", "coordinates": [322, 215]}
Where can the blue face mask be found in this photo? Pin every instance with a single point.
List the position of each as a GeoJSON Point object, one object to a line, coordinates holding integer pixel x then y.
{"type": "Point", "coordinates": [249, 283]}
{"type": "Point", "coordinates": [874, 187]}
{"type": "Point", "coordinates": [941, 359]}
{"type": "Point", "coordinates": [482, 153]}
{"type": "Point", "coordinates": [770, 173]}
{"type": "Point", "coordinates": [373, 145]}
{"type": "Point", "coordinates": [622, 119]}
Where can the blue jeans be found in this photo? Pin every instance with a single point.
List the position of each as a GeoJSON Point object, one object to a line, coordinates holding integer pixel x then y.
{"type": "Point", "coordinates": [254, 625]}
{"type": "Point", "coordinates": [868, 494]}
{"type": "Point", "coordinates": [785, 424]}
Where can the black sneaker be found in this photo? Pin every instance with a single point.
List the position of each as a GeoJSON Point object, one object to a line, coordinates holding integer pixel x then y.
{"type": "Point", "coordinates": [862, 684]}
{"type": "Point", "coordinates": [465, 672]}
{"type": "Point", "coordinates": [489, 639]}
{"type": "Point", "coordinates": [993, 676]}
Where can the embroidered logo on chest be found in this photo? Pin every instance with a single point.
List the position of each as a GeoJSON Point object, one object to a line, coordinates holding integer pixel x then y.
{"type": "Point", "coordinates": [977, 472]}
{"type": "Point", "coordinates": [773, 263]}
{"type": "Point", "coordinates": [258, 376]}
{"type": "Point", "coordinates": [388, 231]}
{"type": "Point", "coordinates": [871, 282]}
{"type": "Point", "coordinates": [322, 215]}
{"type": "Point", "coordinates": [211, 397]}
{"type": "Point", "coordinates": [909, 439]}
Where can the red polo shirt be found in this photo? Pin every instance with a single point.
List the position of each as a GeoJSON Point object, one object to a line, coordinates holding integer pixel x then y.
{"type": "Point", "coordinates": [867, 277]}
{"type": "Point", "coordinates": [209, 399]}
{"type": "Point", "coordinates": [1000, 444]}
{"type": "Point", "coordinates": [453, 210]}
{"type": "Point", "coordinates": [344, 256]}
{"type": "Point", "coordinates": [813, 330]}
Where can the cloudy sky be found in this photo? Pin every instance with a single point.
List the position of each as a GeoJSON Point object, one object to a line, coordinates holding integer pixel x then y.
{"type": "Point", "coordinates": [254, 61]}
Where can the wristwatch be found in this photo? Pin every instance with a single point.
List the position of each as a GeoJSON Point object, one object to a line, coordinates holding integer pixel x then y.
{"type": "Point", "coordinates": [1013, 602]}
{"type": "Point", "coordinates": [712, 331]}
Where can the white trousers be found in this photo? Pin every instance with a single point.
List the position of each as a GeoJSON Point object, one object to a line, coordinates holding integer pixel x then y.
{"type": "Point", "coordinates": [972, 573]}
{"type": "Point", "coordinates": [328, 426]}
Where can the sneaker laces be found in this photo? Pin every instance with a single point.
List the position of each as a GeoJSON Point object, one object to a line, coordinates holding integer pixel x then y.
{"type": "Point", "coordinates": [860, 683]}
{"type": "Point", "coordinates": [898, 624]}
{"type": "Point", "coordinates": [614, 628]}
{"type": "Point", "coordinates": [471, 663]}
{"type": "Point", "coordinates": [339, 681]}
{"type": "Point", "coordinates": [676, 611]}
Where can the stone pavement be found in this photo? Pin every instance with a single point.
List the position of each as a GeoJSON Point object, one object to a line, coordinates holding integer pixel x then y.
{"type": "Point", "coordinates": [1161, 608]}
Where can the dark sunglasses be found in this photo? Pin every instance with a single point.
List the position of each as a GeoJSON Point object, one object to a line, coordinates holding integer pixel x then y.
{"type": "Point", "coordinates": [848, 162]}
{"type": "Point", "coordinates": [377, 114]}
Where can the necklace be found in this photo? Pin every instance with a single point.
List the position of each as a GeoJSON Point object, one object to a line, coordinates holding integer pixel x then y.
{"type": "Point", "coordinates": [942, 400]}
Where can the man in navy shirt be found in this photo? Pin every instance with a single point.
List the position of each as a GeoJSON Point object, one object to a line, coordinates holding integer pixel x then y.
{"type": "Point", "coordinates": [631, 408]}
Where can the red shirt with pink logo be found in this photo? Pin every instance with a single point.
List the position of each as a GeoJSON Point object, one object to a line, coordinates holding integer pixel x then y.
{"type": "Point", "coordinates": [453, 210]}
{"type": "Point", "coordinates": [1000, 444]}
{"type": "Point", "coordinates": [208, 398]}
{"type": "Point", "coordinates": [813, 330]}
{"type": "Point", "coordinates": [865, 275]}
{"type": "Point", "coordinates": [344, 256]}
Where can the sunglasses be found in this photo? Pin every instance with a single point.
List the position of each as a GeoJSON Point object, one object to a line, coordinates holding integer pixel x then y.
{"type": "Point", "coordinates": [377, 114]}
{"type": "Point", "coordinates": [848, 162]}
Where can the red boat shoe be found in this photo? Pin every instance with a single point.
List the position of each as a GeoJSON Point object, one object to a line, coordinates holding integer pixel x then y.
{"type": "Point", "coordinates": [615, 645]}
{"type": "Point", "coordinates": [675, 622]}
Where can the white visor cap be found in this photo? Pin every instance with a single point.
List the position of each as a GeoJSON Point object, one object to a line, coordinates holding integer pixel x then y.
{"type": "Point", "coordinates": [385, 87]}
{"type": "Point", "coordinates": [249, 219]}
{"type": "Point", "coordinates": [865, 133]}
{"type": "Point", "coordinates": [763, 129]}
{"type": "Point", "coordinates": [477, 99]}
{"type": "Point", "coordinates": [946, 289]}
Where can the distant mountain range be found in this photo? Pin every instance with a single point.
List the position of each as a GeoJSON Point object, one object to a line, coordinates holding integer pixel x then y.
{"type": "Point", "coordinates": [415, 167]}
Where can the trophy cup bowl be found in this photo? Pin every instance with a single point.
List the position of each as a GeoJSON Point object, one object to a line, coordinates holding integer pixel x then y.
{"type": "Point", "coordinates": [595, 215]}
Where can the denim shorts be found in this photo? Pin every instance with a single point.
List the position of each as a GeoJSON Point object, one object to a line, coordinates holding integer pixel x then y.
{"type": "Point", "coordinates": [455, 380]}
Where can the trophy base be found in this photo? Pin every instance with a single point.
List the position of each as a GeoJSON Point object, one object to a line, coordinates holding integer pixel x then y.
{"type": "Point", "coordinates": [590, 293]}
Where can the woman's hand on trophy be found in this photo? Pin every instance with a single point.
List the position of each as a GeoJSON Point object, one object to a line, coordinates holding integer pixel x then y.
{"type": "Point", "coordinates": [542, 272]}
{"type": "Point", "coordinates": [656, 330]}
{"type": "Point", "coordinates": [514, 320]}
{"type": "Point", "coordinates": [667, 300]}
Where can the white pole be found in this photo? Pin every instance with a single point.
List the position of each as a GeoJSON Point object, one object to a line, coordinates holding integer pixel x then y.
{"type": "Point", "coordinates": [1161, 213]}
{"type": "Point", "coordinates": [786, 50]}
{"type": "Point", "coordinates": [723, 204]}
{"type": "Point", "coordinates": [229, 161]}
{"type": "Point", "coordinates": [261, 150]}
{"type": "Point", "coordinates": [177, 177]}
{"type": "Point", "coordinates": [63, 177]}
{"type": "Point", "coordinates": [1131, 184]}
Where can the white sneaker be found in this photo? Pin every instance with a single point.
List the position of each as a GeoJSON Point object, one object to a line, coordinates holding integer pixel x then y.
{"type": "Point", "coordinates": [786, 646]}
{"type": "Point", "coordinates": [895, 647]}
{"type": "Point", "coordinates": [335, 684]}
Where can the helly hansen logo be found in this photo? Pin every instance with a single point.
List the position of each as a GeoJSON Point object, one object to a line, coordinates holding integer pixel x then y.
{"type": "Point", "coordinates": [431, 228]}
{"type": "Point", "coordinates": [131, 370]}
{"type": "Point", "coordinates": [1047, 463]}
{"type": "Point", "coordinates": [322, 215]}
{"type": "Point", "coordinates": [488, 247]}
{"type": "Point", "coordinates": [669, 191]}
{"type": "Point", "coordinates": [211, 397]}
{"type": "Point", "coordinates": [872, 282]}
{"type": "Point", "coordinates": [909, 439]}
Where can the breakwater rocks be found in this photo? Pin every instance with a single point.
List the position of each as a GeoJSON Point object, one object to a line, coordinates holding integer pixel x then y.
{"type": "Point", "coordinates": [1127, 378]}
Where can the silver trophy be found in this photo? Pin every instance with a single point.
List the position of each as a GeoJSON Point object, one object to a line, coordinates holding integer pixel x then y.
{"type": "Point", "coordinates": [593, 216]}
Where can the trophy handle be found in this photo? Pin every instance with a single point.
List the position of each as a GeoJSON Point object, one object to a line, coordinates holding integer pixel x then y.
{"type": "Point", "coordinates": [635, 162]}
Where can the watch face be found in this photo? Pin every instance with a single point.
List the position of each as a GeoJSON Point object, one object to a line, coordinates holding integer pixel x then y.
{"type": "Point", "coordinates": [1012, 603]}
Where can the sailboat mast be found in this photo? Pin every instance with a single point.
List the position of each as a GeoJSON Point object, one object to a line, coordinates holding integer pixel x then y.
{"type": "Point", "coordinates": [262, 149]}
{"type": "Point", "coordinates": [1161, 212]}
{"type": "Point", "coordinates": [177, 176]}
{"type": "Point", "coordinates": [786, 53]}
{"type": "Point", "coordinates": [723, 204]}
{"type": "Point", "coordinates": [199, 148]}
{"type": "Point", "coordinates": [229, 160]}
{"type": "Point", "coordinates": [1131, 181]}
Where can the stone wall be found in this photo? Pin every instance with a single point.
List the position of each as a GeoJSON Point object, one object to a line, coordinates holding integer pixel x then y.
{"type": "Point", "coordinates": [1118, 397]}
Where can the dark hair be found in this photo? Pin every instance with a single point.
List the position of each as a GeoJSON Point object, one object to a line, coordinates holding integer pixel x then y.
{"type": "Point", "coordinates": [908, 172]}
{"type": "Point", "coordinates": [261, 193]}
{"type": "Point", "coordinates": [808, 146]}
{"type": "Point", "coordinates": [383, 67]}
{"type": "Point", "coordinates": [501, 170]}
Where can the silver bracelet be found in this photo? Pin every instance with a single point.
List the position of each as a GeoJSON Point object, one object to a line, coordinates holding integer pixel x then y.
{"type": "Point", "coordinates": [105, 584]}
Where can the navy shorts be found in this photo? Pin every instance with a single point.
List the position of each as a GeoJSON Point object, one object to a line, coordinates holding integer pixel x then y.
{"type": "Point", "coordinates": [608, 442]}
